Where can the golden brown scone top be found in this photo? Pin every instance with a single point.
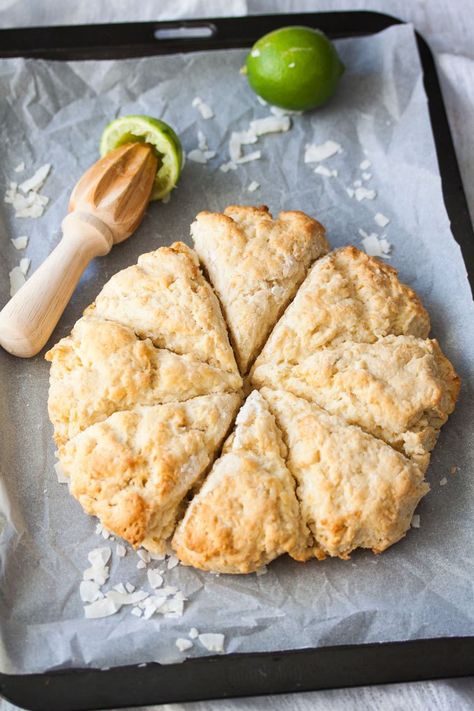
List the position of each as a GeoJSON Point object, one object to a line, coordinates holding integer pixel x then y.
{"type": "Point", "coordinates": [102, 367]}
{"type": "Point", "coordinates": [347, 296]}
{"type": "Point", "coordinates": [400, 389]}
{"type": "Point", "coordinates": [354, 490]}
{"type": "Point", "coordinates": [255, 263]}
{"type": "Point", "coordinates": [166, 298]}
{"type": "Point", "coordinates": [134, 469]}
{"type": "Point", "coordinates": [246, 513]}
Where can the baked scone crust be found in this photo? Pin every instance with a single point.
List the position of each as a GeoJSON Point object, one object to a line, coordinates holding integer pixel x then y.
{"type": "Point", "coordinates": [347, 296]}
{"type": "Point", "coordinates": [103, 367]}
{"type": "Point", "coordinates": [246, 513]}
{"type": "Point", "coordinates": [354, 490]}
{"type": "Point", "coordinates": [400, 388]}
{"type": "Point", "coordinates": [165, 297]}
{"type": "Point", "coordinates": [255, 264]}
{"type": "Point", "coordinates": [134, 469]}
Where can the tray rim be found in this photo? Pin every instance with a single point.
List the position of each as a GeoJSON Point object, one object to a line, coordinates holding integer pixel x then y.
{"type": "Point", "coordinates": [213, 677]}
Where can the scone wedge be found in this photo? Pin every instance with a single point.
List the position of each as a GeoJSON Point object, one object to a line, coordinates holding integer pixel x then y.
{"type": "Point", "coordinates": [102, 367]}
{"type": "Point", "coordinates": [255, 264]}
{"type": "Point", "coordinates": [400, 389]}
{"type": "Point", "coordinates": [347, 296]}
{"type": "Point", "coordinates": [165, 297]}
{"type": "Point", "coordinates": [246, 513]}
{"type": "Point", "coordinates": [354, 490]}
{"type": "Point", "coordinates": [134, 469]}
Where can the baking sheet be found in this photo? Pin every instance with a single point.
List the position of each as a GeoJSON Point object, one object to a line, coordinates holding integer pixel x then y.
{"type": "Point", "coordinates": [55, 112]}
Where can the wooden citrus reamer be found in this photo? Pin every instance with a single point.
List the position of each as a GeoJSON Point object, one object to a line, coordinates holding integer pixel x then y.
{"type": "Point", "coordinates": [106, 207]}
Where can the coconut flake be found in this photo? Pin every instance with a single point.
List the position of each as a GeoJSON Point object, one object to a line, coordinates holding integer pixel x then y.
{"type": "Point", "coordinates": [62, 478]}
{"type": "Point", "coordinates": [270, 124]}
{"type": "Point", "coordinates": [17, 279]}
{"type": "Point", "coordinates": [120, 550]}
{"type": "Point", "coordinates": [363, 193]}
{"type": "Point", "coordinates": [183, 644]}
{"type": "Point", "coordinates": [253, 186]}
{"type": "Point", "coordinates": [261, 101]}
{"type": "Point", "coordinates": [172, 562]}
{"type": "Point", "coordinates": [277, 111]}
{"type": "Point", "coordinates": [36, 181]}
{"type": "Point", "coordinates": [255, 53]}
{"type": "Point", "coordinates": [415, 522]}
{"type": "Point", "coordinates": [203, 108]}
{"type": "Point", "coordinates": [99, 556]}
{"type": "Point", "coordinates": [366, 176]}
{"type": "Point", "coordinates": [316, 153]}
{"type": "Point", "coordinates": [376, 247]}
{"type": "Point", "coordinates": [129, 587]}
{"type": "Point", "coordinates": [443, 481]}
{"type": "Point", "coordinates": [25, 265]}
{"type": "Point", "coordinates": [202, 141]}
{"type": "Point", "coordinates": [357, 183]}
{"type": "Point", "coordinates": [20, 242]}
{"type": "Point", "coordinates": [365, 164]}
{"type": "Point", "coordinates": [255, 155]}
{"type": "Point", "coordinates": [141, 564]}
{"type": "Point", "coordinates": [225, 167]}
{"type": "Point", "coordinates": [327, 172]}
{"type": "Point", "coordinates": [101, 608]}
{"type": "Point", "coordinates": [381, 220]}
{"type": "Point", "coordinates": [89, 591]}
{"type": "Point", "coordinates": [144, 555]}
{"type": "Point", "coordinates": [197, 156]}
{"type": "Point", "coordinates": [120, 588]}
{"type": "Point", "coordinates": [154, 578]}
{"type": "Point", "coordinates": [137, 612]}
{"type": "Point", "coordinates": [125, 598]}
{"type": "Point", "coordinates": [212, 641]}
{"type": "Point", "coordinates": [99, 575]}
{"type": "Point", "coordinates": [193, 633]}
{"type": "Point", "coordinates": [20, 167]}
{"type": "Point", "coordinates": [157, 556]}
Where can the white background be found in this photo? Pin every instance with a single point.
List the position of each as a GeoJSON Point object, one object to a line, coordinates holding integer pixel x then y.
{"type": "Point", "coordinates": [448, 26]}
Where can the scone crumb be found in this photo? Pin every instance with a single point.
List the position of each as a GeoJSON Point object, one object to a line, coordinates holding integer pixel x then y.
{"type": "Point", "coordinates": [262, 571]}
{"type": "Point", "coordinates": [212, 641]}
{"type": "Point", "coordinates": [183, 644]}
{"type": "Point", "coordinates": [453, 470]}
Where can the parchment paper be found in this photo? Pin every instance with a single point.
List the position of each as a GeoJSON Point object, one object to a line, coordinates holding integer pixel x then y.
{"type": "Point", "coordinates": [54, 112]}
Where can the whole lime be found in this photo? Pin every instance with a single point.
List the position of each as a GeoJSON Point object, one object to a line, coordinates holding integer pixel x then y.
{"type": "Point", "coordinates": [295, 68]}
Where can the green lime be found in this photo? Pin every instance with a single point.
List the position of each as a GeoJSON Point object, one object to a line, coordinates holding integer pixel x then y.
{"type": "Point", "coordinates": [295, 68]}
{"type": "Point", "coordinates": [156, 132]}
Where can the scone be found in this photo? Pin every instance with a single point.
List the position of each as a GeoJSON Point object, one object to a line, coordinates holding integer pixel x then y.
{"type": "Point", "coordinates": [103, 367]}
{"type": "Point", "coordinates": [255, 264]}
{"type": "Point", "coordinates": [166, 298]}
{"type": "Point", "coordinates": [134, 469]}
{"type": "Point", "coordinates": [400, 388]}
{"type": "Point", "coordinates": [246, 513]}
{"type": "Point", "coordinates": [347, 296]}
{"type": "Point", "coordinates": [354, 490]}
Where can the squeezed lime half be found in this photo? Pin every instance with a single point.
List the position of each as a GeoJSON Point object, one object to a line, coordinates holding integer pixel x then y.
{"type": "Point", "coordinates": [160, 135]}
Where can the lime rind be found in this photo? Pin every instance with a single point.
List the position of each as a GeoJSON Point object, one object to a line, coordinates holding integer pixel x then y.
{"type": "Point", "coordinates": [160, 135]}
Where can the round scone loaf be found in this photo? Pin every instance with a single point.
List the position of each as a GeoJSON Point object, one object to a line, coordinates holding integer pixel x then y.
{"type": "Point", "coordinates": [328, 452]}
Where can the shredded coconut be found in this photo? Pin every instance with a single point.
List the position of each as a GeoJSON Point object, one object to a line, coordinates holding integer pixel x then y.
{"type": "Point", "coordinates": [365, 164]}
{"type": "Point", "coordinates": [255, 155]}
{"type": "Point", "coordinates": [253, 186]}
{"type": "Point", "coordinates": [277, 111]}
{"type": "Point", "coordinates": [381, 220]}
{"type": "Point", "coordinates": [230, 165]}
{"type": "Point", "coordinates": [193, 633]}
{"type": "Point", "coordinates": [137, 612]}
{"type": "Point", "coordinates": [212, 641]}
{"type": "Point", "coordinates": [62, 478]}
{"type": "Point", "coordinates": [316, 153]}
{"type": "Point", "coordinates": [141, 564]}
{"type": "Point", "coordinates": [203, 108]}
{"type": "Point", "coordinates": [270, 124]}
{"type": "Point", "coordinates": [125, 598]}
{"type": "Point", "coordinates": [443, 481]}
{"type": "Point", "coordinates": [172, 562]}
{"type": "Point", "coordinates": [366, 176]}
{"type": "Point", "coordinates": [36, 181]}
{"type": "Point", "coordinates": [415, 522]}
{"type": "Point", "coordinates": [20, 242]}
{"type": "Point", "coordinates": [99, 556]}
{"type": "Point", "coordinates": [357, 183]}
{"type": "Point", "coordinates": [261, 101]}
{"type": "Point", "coordinates": [20, 167]}
{"type": "Point", "coordinates": [362, 193]}
{"type": "Point", "coordinates": [144, 555]}
{"type": "Point", "coordinates": [120, 550]}
{"type": "Point", "coordinates": [129, 587]}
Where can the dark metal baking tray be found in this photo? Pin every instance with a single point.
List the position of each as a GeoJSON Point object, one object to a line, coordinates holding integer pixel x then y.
{"type": "Point", "coordinates": [266, 673]}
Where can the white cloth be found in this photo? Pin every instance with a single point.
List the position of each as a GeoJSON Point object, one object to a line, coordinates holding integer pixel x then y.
{"type": "Point", "coordinates": [448, 26]}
